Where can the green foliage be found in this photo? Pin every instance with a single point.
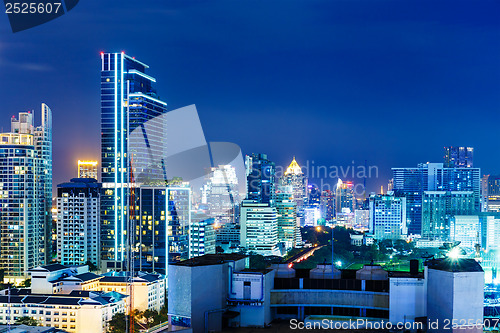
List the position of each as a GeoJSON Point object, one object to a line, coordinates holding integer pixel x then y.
{"type": "Point", "coordinates": [26, 283]}
{"type": "Point", "coordinates": [29, 321]}
{"type": "Point", "coordinates": [118, 323]}
{"type": "Point", "coordinates": [91, 265]}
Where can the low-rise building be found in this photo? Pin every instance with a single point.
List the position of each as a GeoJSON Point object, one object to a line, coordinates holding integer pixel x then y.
{"type": "Point", "coordinates": [77, 312]}
{"type": "Point", "coordinates": [147, 290]}
{"type": "Point", "coordinates": [236, 293]}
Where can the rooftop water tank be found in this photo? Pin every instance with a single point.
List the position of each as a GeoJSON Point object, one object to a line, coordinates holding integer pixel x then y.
{"type": "Point", "coordinates": [325, 272]}
{"type": "Point", "coordinates": [283, 271]}
{"type": "Point", "coordinates": [371, 272]}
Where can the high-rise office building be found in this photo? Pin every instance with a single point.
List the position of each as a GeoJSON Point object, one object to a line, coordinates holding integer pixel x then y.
{"type": "Point", "coordinates": [78, 227]}
{"type": "Point", "coordinates": [295, 178]}
{"type": "Point", "coordinates": [259, 228]}
{"type": "Point", "coordinates": [128, 100]}
{"type": "Point", "coordinates": [220, 193]}
{"type": "Point", "coordinates": [260, 178]}
{"type": "Point", "coordinates": [344, 197]}
{"type": "Point", "coordinates": [438, 207]}
{"type": "Point", "coordinates": [202, 238]}
{"type": "Point", "coordinates": [387, 216]}
{"type": "Point", "coordinates": [458, 157]}
{"type": "Point", "coordinates": [327, 205]}
{"type": "Point", "coordinates": [413, 182]}
{"type": "Point", "coordinates": [25, 194]}
{"type": "Point", "coordinates": [87, 169]}
{"type": "Point", "coordinates": [492, 193]}
{"type": "Point", "coordinates": [286, 212]}
{"type": "Point", "coordinates": [313, 195]}
{"type": "Point", "coordinates": [163, 217]}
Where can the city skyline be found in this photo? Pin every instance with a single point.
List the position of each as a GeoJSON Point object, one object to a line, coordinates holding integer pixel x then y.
{"type": "Point", "coordinates": [403, 83]}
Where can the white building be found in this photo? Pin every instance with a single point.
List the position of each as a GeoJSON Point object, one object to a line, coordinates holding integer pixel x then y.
{"type": "Point", "coordinates": [258, 228]}
{"type": "Point", "coordinates": [362, 219]}
{"type": "Point", "coordinates": [311, 216]}
{"type": "Point", "coordinates": [202, 238]}
{"type": "Point", "coordinates": [147, 290]}
{"type": "Point", "coordinates": [78, 226]}
{"type": "Point", "coordinates": [466, 230]}
{"type": "Point", "coordinates": [455, 293]}
{"type": "Point", "coordinates": [387, 216]}
{"type": "Point", "coordinates": [78, 312]}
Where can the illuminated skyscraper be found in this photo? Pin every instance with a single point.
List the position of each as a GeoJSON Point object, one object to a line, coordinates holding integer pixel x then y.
{"type": "Point", "coordinates": [297, 180]}
{"type": "Point", "coordinates": [286, 212]}
{"type": "Point", "coordinates": [128, 101]}
{"type": "Point", "coordinates": [25, 194]}
{"type": "Point", "coordinates": [458, 157]}
{"type": "Point", "coordinates": [78, 236]}
{"type": "Point", "coordinates": [87, 169]}
{"type": "Point", "coordinates": [260, 178]}
{"type": "Point", "coordinates": [163, 216]}
{"type": "Point", "coordinates": [413, 182]}
{"type": "Point", "coordinates": [438, 208]}
{"type": "Point", "coordinates": [327, 205]}
{"type": "Point", "coordinates": [221, 193]}
{"type": "Point", "coordinates": [259, 228]}
{"type": "Point", "coordinates": [387, 216]}
{"type": "Point", "coordinates": [344, 197]}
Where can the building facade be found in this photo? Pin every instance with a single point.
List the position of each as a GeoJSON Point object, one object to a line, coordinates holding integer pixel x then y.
{"type": "Point", "coordinates": [259, 228]}
{"type": "Point", "coordinates": [295, 178]}
{"type": "Point", "coordinates": [439, 207]}
{"type": "Point", "coordinates": [387, 217]}
{"type": "Point", "coordinates": [87, 169]}
{"type": "Point", "coordinates": [261, 174]}
{"type": "Point", "coordinates": [458, 157]}
{"type": "Point", "coordinates": [78, 227]}
{"type": "Point", "coordinates": [202, 238]}
{"type": "Point", "coordinates": [25, 195]}
{"type": "Point", "coordinates": [128, 100]}
{"type": "Point", "coordinates": [344, 197]}
{"type": "Point", "coordinates": [413, 182]}
{"type": "Point", "coordinates": [286, 213]}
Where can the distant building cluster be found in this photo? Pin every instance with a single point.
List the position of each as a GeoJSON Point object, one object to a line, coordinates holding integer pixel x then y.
{"type": "Point", "coordinates": [151, 210]}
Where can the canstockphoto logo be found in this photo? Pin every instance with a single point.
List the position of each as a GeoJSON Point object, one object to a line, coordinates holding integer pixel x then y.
{"type": "Point", "coordinates": [30, 13]}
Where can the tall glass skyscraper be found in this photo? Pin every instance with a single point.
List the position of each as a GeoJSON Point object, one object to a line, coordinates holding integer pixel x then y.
{"type": "Point", "coordinates": [413, 182]}
{"type": "Point", "coordinates": [128, 101]}
{"type": "Point", "coordinates": [260, 178]}
{"type": "Point", "coordinates": [25, 194]}
{"type": "Point", "coordinates": [458, 157]}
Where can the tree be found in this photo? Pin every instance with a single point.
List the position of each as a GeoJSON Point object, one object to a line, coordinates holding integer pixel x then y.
{"type": "Point", "coordinates": [219, 249]}
{"type": "Point", "coordinates": [118, 323]}
{"type": "Point", "coordinates": [29, 321]}
{"type": "Point", "coordinates": [91, 265]}
{"type": "Point", "coordinates": [163, 314]}
{"type": "Point", "coordinates": [150, 318]}
{"type": "Point", "coordinates": [26, 283]}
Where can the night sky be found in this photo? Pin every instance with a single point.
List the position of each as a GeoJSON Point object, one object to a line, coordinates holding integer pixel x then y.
{"type": "Point", "coordinates": [390, 82]}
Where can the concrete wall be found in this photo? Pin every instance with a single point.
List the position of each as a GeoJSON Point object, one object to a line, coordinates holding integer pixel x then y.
{"type": "Point", "coordinates": [347, 298]}
{"type": "Point", "coordinates": [454, 296]}
{"type": "Point", "coordinates": [199, 293]}
{"type": "Point", "coordinates": [407, 299]}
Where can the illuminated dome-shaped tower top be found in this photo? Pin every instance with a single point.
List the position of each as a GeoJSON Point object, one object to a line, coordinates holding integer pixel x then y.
{"type": "Point", "coordinates": [293, 168]}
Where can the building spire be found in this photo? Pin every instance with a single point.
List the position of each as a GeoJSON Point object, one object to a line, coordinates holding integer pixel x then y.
{"type": "Point", "coordinates": [293, 168]}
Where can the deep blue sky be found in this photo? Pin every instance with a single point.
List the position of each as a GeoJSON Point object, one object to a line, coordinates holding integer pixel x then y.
{"type": "Point", "coordinates": [391, 82]}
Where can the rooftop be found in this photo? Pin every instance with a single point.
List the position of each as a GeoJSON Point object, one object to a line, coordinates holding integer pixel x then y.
{"type": "Point", "coordinates": [211, 259]}
{"type": "Point", "coordinates": [454, 265]}
{"type": "Point", "coordinates": [49, 268]}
